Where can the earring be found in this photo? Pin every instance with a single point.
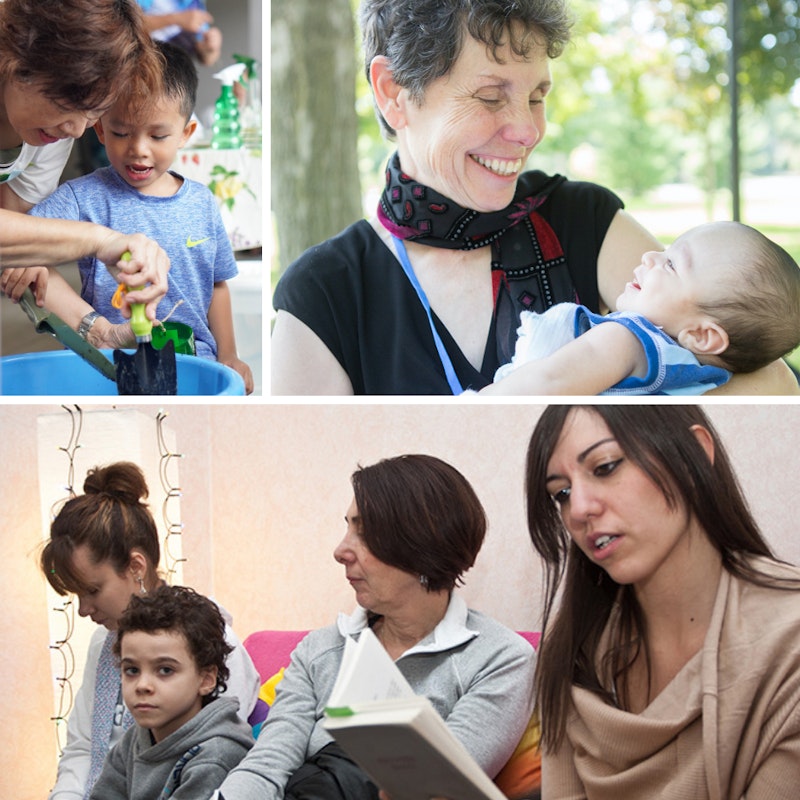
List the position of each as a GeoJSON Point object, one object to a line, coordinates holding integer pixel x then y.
{"type": "Point", "coordinates": [423, 579]}
{"type": "Point", "coordinates": [142, 590]}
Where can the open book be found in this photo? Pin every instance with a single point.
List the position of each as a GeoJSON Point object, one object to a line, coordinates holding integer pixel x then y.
{"type": "Point", "coordinates": [394, 735]}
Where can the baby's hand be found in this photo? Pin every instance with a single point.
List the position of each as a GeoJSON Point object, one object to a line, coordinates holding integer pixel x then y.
{"type": "Point", "coordinates": [242, 369]}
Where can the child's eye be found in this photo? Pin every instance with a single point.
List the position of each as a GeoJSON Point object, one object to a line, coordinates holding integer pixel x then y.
{"type": "Point", "coordinates": [130, 671]}
{"type": "Point", "coordinates": [165, 670]}
{"type": "Point", "coordinates": [160, 138]}
{"type": "Point", "coordinates": [669, 265]}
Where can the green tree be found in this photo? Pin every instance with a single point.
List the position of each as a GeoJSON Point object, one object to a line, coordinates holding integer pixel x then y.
{"type": "Point", "coordinates": [314, 167]}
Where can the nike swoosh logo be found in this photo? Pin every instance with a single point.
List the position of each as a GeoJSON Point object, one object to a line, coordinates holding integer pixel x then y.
{"type": "Point", "coordinates": [194, 242]}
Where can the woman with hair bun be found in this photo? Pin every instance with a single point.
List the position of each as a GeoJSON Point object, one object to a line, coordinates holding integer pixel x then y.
{"type": "Point", "coordinates": [104, 549]}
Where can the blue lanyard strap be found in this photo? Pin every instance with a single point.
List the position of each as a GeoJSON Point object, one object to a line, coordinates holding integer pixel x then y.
{"type": "Point", "coordinates": [449, 371]}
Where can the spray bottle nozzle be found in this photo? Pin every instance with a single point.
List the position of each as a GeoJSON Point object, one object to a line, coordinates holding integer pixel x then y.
{"type": "Point", "coordinates": [230, 74]}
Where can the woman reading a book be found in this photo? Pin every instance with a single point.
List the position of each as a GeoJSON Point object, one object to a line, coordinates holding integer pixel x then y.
{"type": "Point", "coordinates": [671, 667]}
{"type": "Point", "coordinates": [414, 527]}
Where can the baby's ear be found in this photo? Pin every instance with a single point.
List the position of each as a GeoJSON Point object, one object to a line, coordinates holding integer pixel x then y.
{"type": "Point", "coordinates": [706, 338]}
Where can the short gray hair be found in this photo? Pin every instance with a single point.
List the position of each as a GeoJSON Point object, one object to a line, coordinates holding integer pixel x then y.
{"type": "Point", "coordinates": [423, 38]}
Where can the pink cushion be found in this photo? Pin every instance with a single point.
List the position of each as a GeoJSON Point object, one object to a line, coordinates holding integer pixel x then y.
{"type": "Point", "coordinates": [270, 650]}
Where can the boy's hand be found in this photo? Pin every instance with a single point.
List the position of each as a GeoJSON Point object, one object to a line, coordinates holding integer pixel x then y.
{"type": "Point", "coordinates": [13, 282]}
{"type": "Point", "coordinates": [242, 369]}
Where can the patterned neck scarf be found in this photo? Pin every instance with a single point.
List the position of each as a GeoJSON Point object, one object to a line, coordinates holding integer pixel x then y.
{"type": "Point", "coordinates": [529, 270]}
{"type": "Point", "coordinates": [107, 710]}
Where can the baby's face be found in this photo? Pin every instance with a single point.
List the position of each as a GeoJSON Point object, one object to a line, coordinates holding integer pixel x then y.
{"type": "Point", "coordinates": [698, 268]}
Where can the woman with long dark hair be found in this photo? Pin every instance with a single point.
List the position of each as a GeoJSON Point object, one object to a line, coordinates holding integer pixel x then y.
{"type": "Point", "coordinates": [670, 658]}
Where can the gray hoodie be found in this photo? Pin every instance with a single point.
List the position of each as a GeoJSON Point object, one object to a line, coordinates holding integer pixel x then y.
{"type": "Point", "coordinates": [188, 764]}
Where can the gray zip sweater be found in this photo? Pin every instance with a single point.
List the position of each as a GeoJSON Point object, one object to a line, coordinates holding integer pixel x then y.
{"type": "Point", "coordinates": [477, 673]}
{"type": "Point", "coordinates": [187, 765]}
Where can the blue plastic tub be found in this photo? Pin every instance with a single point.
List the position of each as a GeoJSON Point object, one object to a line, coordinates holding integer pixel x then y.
{"type": "Point", "coordinates": [62, 372]}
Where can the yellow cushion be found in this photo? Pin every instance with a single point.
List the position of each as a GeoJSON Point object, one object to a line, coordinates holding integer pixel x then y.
{"type": "Point", "coordinates": [522, 776]}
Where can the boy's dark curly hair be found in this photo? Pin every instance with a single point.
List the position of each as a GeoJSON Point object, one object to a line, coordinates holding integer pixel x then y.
{"type": "Point", "coordinates": [179, 609]}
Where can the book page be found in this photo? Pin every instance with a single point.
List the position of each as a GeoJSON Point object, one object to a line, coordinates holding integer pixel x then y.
{"type": "Point", "coordinates": [367, 674]}
{"type": "Point", "coordinates": [409, 751]}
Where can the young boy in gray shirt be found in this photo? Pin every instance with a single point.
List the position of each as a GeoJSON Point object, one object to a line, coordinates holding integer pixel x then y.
{"type": "Point", "coordinates": [172, 649]}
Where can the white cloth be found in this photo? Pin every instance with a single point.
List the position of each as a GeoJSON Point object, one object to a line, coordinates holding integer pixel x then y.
{"type": "Point", "coordinates": [35, 172]}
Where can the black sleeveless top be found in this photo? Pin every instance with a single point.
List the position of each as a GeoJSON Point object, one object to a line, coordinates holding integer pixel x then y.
{"type": "Point", "coordinates": [352, 292]}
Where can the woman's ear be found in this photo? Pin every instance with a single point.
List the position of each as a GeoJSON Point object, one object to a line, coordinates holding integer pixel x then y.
{"type": "Point", "coordinates": [704, 439]}
{"type": "Point", "coordinates": [389, 96]}
{"type": "Point", "coordinates": [138, 564]}
{"type": "Point", "coordinates": [706, 338]}
{"type": "Point", "coordinates": [101, 134]}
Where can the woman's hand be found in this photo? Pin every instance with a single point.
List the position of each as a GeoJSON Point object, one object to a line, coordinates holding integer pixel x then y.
{"type": "Point", "coordinates": [145, 273]}
{"type": "Point", "coordinates": [13, 282]}
{"type": "Point", "coordinates": [104, 334]}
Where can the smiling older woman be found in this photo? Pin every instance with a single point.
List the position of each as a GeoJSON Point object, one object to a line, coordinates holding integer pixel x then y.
{"type": "Point", "coordinates": [425, 298]}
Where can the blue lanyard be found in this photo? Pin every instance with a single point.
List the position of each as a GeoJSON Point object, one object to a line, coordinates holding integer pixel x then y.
{"type": "Point", "coordinates": [449, 371]}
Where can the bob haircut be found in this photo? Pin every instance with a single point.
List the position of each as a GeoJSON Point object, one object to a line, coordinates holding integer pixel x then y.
{"type": "Point", "coordinates": [181, 610]}
{"type": "Point", "coordinates": [423, 38]}
{"type": "Point", "coordinates": [659, 440]}
{"type": "Point", "coordinates": [110, 518]}
{"type": "Point", "coordinates": [420, 515]}
{"type": "Point", "coordinates": [80, 53]}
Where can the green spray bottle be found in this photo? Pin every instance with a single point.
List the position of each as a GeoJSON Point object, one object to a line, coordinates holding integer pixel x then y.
{"type": "Point", "coordinates": [227, 128]}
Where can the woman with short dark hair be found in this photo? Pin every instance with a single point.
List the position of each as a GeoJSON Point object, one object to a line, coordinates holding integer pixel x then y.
{"type": "Point", "coordinates": [414, 527]}
{"type": "Point", "coordinates": [425, 298]}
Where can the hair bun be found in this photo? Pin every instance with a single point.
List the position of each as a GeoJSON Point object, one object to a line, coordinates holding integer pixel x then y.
{"type": "Point", "coordinates": [122, 480]}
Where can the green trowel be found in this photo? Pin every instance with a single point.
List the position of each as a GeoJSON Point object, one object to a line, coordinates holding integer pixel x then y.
{"type": "Point", "coordinates": [47, 322]}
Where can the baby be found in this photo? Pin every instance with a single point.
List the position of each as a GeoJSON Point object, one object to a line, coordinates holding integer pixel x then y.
{"type": "Point", "coordinates": [723, 298]}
